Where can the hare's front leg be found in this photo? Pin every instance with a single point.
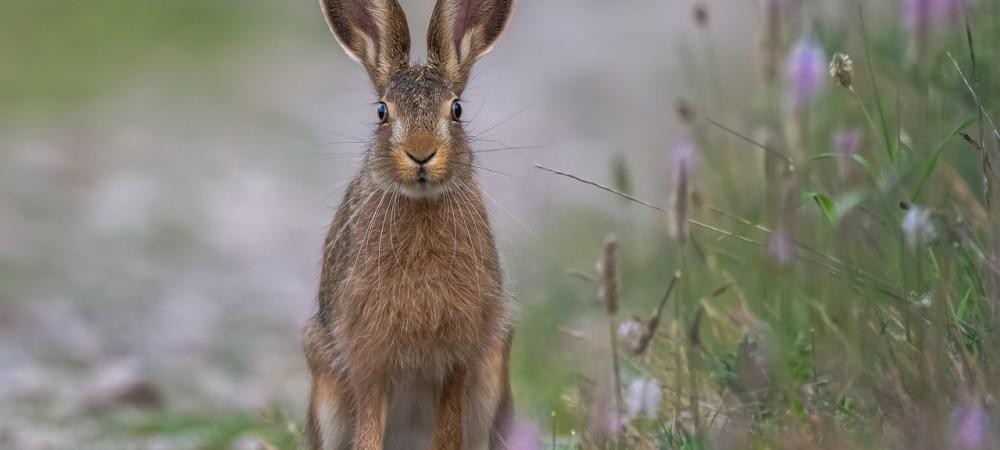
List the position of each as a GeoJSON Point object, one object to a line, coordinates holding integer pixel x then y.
{"type": "Point", "coordinates": [448, 426]}
{"type": "Point", "coordinates": [488, 404]}
{"type": "Point", "coordinates": [371, 407]}
{"type": "Point", "coordinates": [329, 423]}
{"type": "Point", "coordinates": [328, 426]}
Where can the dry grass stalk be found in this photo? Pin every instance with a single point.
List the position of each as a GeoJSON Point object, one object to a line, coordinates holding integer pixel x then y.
{"type": "Point", "coordinates": [609, 291]}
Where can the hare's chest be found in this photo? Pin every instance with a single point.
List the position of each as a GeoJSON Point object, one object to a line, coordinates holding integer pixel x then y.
{"type": "Point", "coordinates": [433, 294]}
{"type": "Point", "coordinates": [422, 290]}
{"type": "Point", "coordinates": [427, 289]}
{"type": "Point", "coordinates": [436, 257]}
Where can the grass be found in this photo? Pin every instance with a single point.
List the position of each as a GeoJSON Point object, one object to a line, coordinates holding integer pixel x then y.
{"type": "Point", "coordinates": [870, 337]}
{"type": "Point", "coordinates": [56, 57]}
{"type": "Point", "coordinates": [271, 430]}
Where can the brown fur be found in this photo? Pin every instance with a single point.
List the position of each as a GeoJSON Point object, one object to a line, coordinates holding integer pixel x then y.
{"type": "Point", "coordinates": [411, 302]}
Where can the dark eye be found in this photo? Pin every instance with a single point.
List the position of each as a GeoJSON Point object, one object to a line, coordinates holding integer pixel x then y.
{"type": "Point", "coordinates": [456, 110]}
{"type": "Point", "coordinates": [383, 112]}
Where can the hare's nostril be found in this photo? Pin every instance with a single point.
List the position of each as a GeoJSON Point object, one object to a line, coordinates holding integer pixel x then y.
{"type": "Point", "coordinates": [421, 161]}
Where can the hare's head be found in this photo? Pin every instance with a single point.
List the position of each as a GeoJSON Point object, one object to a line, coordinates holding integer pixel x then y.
{"type": "Point", "coordinates": [420, 145]}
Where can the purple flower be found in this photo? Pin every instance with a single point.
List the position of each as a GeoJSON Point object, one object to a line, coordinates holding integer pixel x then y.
{"type": "Point", "coordinates": [682, 159]}
{"type": "Point", "coordinates": [605, 421]}
{"type": "Point", "coordinates": [805, 72]}
{"type": "Point", "coordinates": [972, 430]}
{"type": "Point", "coordinates": [681, 162]}
{"type": "Point", "coordinates": [847, 143]}
{"type": "Point", "coordinates": [918, 14]}
{"type": "Point", "coordinates": [522, 435]}
{"type": "Point", "coordinates": [644, 395]}
{"type": "Point", "coordinates": [780, 247]}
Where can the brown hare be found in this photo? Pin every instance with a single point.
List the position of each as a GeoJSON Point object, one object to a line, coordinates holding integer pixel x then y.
{"type": "Point", "coordinates": [411, 343]}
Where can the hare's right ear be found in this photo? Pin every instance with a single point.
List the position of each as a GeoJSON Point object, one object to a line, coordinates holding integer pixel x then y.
{"type": "Point", "coordinates": [463, 30]}
{"type": "Point", "coordinates": [373, 32]}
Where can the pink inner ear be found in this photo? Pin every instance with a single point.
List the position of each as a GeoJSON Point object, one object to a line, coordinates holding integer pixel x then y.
{"type": "Point", "coordinates": [464, 21]}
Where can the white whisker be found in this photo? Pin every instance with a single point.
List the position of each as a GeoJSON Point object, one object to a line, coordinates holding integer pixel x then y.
{"type": "Point", "coordinates": [512, 216]}
{"type": "Point", "coordinates": [364, 243]}
{"type": "Point", "coordinates": [468, 189]}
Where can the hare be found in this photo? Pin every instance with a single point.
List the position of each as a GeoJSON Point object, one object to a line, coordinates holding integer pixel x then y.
{"type": "Point", "coordinates": [410, 346]}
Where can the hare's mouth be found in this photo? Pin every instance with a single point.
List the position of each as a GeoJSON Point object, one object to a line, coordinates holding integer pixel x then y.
{"type": "Point", "coordinates": [423, 175]}
{"type": "Point", "coordinates": [424, 189]}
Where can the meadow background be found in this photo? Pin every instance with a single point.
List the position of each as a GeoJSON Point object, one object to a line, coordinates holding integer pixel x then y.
{"type": "Point", "coordinates": [824, 248]}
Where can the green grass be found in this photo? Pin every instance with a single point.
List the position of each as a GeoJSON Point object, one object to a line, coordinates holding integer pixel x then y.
{"type": "Point", "coordinates": [271, 429]}
{"type": "Point", "coordinates": [860, 341]}
{"type": "Point", "coordinates": [57, 56]}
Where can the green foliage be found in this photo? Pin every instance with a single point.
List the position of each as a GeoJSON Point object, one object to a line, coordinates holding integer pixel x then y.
{"type": "Point", "coordinates": [883, 318]}
{"type": "Point", "coordinates": [56, 55]}
{"type": "Point", "coordinates": [275, 431]}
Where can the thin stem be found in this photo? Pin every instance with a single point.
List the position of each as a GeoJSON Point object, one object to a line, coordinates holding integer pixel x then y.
{"type": "Point", "coordinates": [666, 295]}
{"type": "Point", "coordinates": [886, 288]}
{"type": "Point", "coordinates": [609, 284]}
{"type": "Point", "coordinates": [979, 104]}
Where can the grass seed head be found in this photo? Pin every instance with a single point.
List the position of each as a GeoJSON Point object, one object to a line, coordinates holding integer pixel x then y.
{"type": "Point", "coordinates": [842, 70]}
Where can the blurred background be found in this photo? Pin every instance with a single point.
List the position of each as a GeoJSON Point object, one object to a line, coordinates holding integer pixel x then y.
{"type": "Point", "coordinates": [168, 170]}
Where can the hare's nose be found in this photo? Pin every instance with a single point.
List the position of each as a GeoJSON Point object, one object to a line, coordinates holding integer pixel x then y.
{"type": "Point", "coordinates": [421, 161]}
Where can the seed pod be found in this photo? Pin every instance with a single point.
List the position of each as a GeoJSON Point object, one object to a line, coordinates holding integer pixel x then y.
{"type": "Point", "coordinates": [842, 70]}
{"type": "Point", "coordinates": [701, 14]}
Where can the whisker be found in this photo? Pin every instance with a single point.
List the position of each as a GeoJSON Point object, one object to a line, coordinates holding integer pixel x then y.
{"type": "Point", "coordinates": [318, 158]}
{"type": "Point", "coordinates": [502, 122]}
{"type": "Point", "coordinates": [454, 222]}
{"type": "Point", "coordinates": [330, 194]}
{"type": "Point", "coordinates": [360, 207]}
{"type": "Point", "coordinates": [381, 237]}
{"type": "Point", "coordinates": [367, 124]}
{"type": "Point", "coordinates": [344, 142]}
{"type": "Point", "coordinates": [500, 172]}
{"type": "Point", "coordinates": [364, 241]}
{"type": "Point", "coordinates": [498, 149]}
{"type": "Point", "coordinates": [479, 110]}
{"type": "Point", "coordinates": [485, 222]}
{"type": "Point", "coordinates": [392, 228]}
{"type": "Point", "coordinates": [472, 245]}
{"type": "Point", "coordinates": [505, 147]}
{"type": "Point", "coordinates": [512, 216]}
{"type": "Point", "coordinates": [344, 136]}
{"type": "Point", "coordinates": [332, 153]}
{"type": "Point", "coordinates": [464, 188]}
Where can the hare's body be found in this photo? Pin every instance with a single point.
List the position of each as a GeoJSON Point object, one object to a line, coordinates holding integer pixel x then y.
{"type": "Point", "coordinates": [411, 343]}
{"type": "Point", "coordinates": [412, 289]}
{"type": "Point", "coordinates": [415, 282]}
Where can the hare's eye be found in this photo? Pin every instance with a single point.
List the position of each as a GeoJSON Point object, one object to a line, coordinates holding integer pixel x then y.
{"type": "Point", "coordinates": [456, 110]}
{"type": "Point", "coordinates": [383, 112]}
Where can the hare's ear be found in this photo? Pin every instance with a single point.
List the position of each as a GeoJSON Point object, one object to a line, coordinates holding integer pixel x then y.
{"type": "Point", "coordinates": [373, 32]}
{"type": "Point", "coordinates": [463, 30]}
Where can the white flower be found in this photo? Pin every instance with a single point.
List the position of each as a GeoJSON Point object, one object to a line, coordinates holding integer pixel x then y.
{"type": "Point", "coordinates": [644, 396]}
{"type": "Point", "coordinates": [631, 333]}
{"type": "Point", "coordinates": [918, 227]}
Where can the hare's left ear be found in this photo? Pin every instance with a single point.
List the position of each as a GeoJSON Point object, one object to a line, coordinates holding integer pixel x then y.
{"type": "Point", "coordinates": [463, 30]}
{"type": "Point", "coordinates": [373, 32]}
